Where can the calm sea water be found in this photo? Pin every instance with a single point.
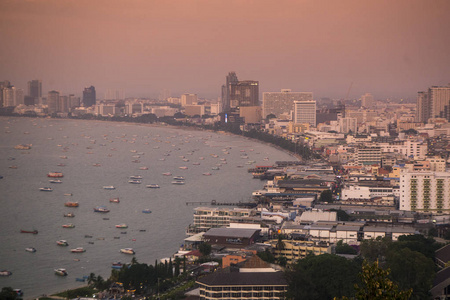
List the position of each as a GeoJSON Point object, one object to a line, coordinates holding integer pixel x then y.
{"type": "Point", "coordinates": [118, 150]}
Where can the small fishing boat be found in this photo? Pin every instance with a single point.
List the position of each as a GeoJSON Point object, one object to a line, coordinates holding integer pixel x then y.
{"type": "Point", "coordinates": [127, 251]}
{"type": "Point", "coordinates": [78, 250]}
{"type": "Point", "coordinates": [114, 200]}
{"type": "Point", "coordinates": [178, 182]}
{"type": "Point", "coordinates": [30, 249]}
{"type": "Point", "coordinates": [69, 215]}
{"type": "Point", "coordinates": [61, 272]}
{"type": "Point", "coordinates": [101, 209]}
{"type": "Point", "coordinates": [71, 204]}
{"type": "Point", "coordinates": [122, 226]}
{"type": "Point", "coordinates": [5, 273]}
{"type": "Point", "coordinates": [29, 231]}
{"type": "Point", "coordinates": [45, 189]}
{"type": "Point", "coordinates": [135, 181]}
{"type": "Point", "coordinates": [70, 225]}
{"type": "Point", "coordinates": [146, 211]}
{"type": "Point", "coordinates": [117, 265]}
{"type": "Point", "coordinates": [55, 181]}
{"type": "Point", "coordinates": [109, 187]}
{"type": "Point", "coordinates": [152, 186]}
{"type": "Point", "coordinates": [62, 243]}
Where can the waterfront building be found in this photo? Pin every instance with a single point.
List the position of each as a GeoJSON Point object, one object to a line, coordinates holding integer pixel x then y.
{"type": "Point", "coordinates": [35, 89]}
{"type": "Point", "coordinates": [305, 112]}
{"type": "Point", "coordinates": [425, 192]}
{"type": "Point", "coordinates": [53, 102]}
{"type": "Point", "coordinates": [189, 99]}
{"type": "Point", "coordinates": [237, 93]}
{"type": "Point", "coordinates": [282, 103]}
{"type": "Point", "coordinates": [231, 237]}
{"type": "Point", "coordinates": [207, 217]}
{"type": "Point", "coordinates": [193, 110]}
{"type": "Point", "coordinates": [73, 101]}
{"type": "Point", "coordinates": [89, 96]}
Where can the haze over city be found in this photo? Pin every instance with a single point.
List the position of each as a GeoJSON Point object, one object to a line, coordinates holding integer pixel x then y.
{"type": "Point", "coordinates": [391, 49]}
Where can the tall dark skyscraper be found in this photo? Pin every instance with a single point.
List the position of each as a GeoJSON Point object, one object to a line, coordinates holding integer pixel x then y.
{"type": "Point", "coordinates": [89, 96]}
{"type": "Point", "coordinates": [231, 79]}
{"type": "Point", "coordinates": [35, 88]}
{"type": "Point", "coordinates": [237, 93]}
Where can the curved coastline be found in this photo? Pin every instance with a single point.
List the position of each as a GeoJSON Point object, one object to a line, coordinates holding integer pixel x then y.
{"type": "Point", "coordinates": [107, 124]}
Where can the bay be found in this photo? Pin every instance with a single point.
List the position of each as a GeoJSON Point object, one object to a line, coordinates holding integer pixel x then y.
{"type": "Point", "coordinates": [94, 154]}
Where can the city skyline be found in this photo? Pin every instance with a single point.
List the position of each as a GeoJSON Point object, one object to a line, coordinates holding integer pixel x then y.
{"type": "Point", "coordinates": [333, 49]}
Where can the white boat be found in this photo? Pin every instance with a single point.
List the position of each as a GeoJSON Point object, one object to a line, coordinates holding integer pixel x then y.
{"type": "Point", "coordinates": [61, 272]}
{"type": "Point", "coordinates": [167, 174]}
{"type": "Point", "coordinates": [78, 250]}
{"type": "Point", "coordinates": [62, 243]}
{"type": "Point", "coordinates": [207, 174]}
{"type": "Point", "coordinates": [109, 187]}
{"type": "Point", "coordinates": [46, 189]}
{"type": "Point", "coordinates": [55, 181]}
{"type": "Point", "coordinates": [101, 209]}
{"type": "Point", "coordinates": [30, 249]}
{"type": "Point", "coordinates": [127, 251]}
{"type": "Point", "coordinates": [178, 178]}
{"type": "Point", "coordinates": [69, 215]}
{"type": "Point", "coordinates": [134, 181]}
{"type": "Point", "coordinates": [178, 182]}
{"type": "Point", "coordinates": [143, 168]}
{"type": "Point", "coordinates": [136, 177]}
{"type": "Point", "coordinates": [183, 168]}
{"type": "Point", "coordinates": [152, 186]}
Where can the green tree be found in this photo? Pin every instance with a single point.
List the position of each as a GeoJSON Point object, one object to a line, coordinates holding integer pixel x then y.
{"type": "Point", "coordinates": [8, 293]}
{"type": "Point", "coordinates": [266, 256]}
{"type": "Point", "coordinates": [322, 277]}
{"type": "Point", "coordinates": [344, 248]}
{"type": "Point", "coordinates": [375, 285]}
{"type": "Point", "coordinates": [205, 249]}
{"type": "Point", "coordinates": [326, 196]}
{"type": "Point", "coordinates": [411, 269]}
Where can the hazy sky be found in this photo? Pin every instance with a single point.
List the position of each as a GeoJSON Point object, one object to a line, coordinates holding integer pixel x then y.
{"type": "Point", "coordinates": [391, 48]}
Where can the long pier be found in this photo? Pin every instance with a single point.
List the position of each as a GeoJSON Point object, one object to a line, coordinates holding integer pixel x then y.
{"type": "Point", "coordinates": [214, 202]}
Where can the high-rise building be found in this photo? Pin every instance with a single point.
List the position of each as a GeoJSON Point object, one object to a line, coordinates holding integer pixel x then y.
{"type": "Point", "coordinates": [73, 101]}
{"type": "Point", "coordinates": [434, 103]}
{"type": "Point", "coordinates": [114, 95]}
{"type": "Point", "coordinates": [425, 191]}
{"type": "Point", "coordinates": [244, 93]}
{"type": "Point", "coordinates": [89, 96]}
{"type": "Point", "coordinates": [367, 100]}
{"type": "Point", "coordinates": [279, 103]}
{"type": "Point", "coordinates": [305, 112]}
{"type": "Point", "coordinates": [164, 95]}
{"type": "Point", "coordinates": [231, 79]}
{"type": "Point", "coordinates": [237, 93]}
{"type": "Point", "coordinates": [35, 88]}
{"type": "Point", "coordinates": [12, 96]}
{"type": "Point", "coordinates": [53, 102]}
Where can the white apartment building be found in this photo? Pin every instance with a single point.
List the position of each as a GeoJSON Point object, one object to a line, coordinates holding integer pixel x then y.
{"type": "Point", "coordinates": [409, 148]}
{"type": "Point", "coordinates": [368, 155]}
{"type": "Point", "coordinates": [305, 112]}
{"type": "Point", "coordinates": [207, 217]}
{"type": "Point", "coordinates": [366, 192]}
{"type": "Point", "coordinates": [425, 192]}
